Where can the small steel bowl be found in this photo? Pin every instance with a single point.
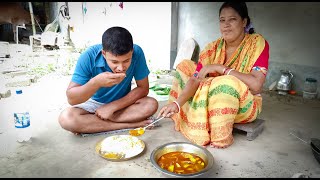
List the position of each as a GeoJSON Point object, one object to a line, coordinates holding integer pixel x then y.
{"type": "Point", "coordinates": [182, 147]}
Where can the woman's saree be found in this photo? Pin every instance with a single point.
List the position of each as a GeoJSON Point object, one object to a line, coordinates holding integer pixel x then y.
{"type": "Point", "coordinates": [220, 100]}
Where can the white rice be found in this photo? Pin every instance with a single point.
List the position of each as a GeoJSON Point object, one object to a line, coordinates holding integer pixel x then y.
{"type": "Point", "coordinates": [122, 144]}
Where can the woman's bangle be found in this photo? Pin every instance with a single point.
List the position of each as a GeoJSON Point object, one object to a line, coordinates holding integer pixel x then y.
{"type": "Point", "coordinates": [225, 69]}
{"type": "Point", "coordinates": [177, 105]}
{"type": "Point", "coordinates": [229, 71]}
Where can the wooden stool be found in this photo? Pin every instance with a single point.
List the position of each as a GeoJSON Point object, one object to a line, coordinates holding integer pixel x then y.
{"type": "Point", "coordinates": [253, 129]}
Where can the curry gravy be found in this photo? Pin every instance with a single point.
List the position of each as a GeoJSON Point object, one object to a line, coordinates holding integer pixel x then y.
{"type": "Point", "coordinates": [181, 162]}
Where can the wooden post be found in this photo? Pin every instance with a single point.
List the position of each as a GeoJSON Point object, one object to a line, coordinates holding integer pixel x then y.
{"type": "Point", "coordinates": [32, 18]}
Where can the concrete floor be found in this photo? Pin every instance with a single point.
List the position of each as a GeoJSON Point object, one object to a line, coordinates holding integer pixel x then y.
{"type": "Point", "coordinates": [54, 152]}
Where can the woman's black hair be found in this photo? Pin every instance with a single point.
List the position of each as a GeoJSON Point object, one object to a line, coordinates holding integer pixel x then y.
{"type": "Point", "coordinates": [242, 10]}
{"type": "Point", "coordinates": [117, 41]}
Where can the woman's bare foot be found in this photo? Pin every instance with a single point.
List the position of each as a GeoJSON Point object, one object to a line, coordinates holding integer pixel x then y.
{"type": "Point", "coordinates": [75, 133]}
{"type": "Point", "coordinates": [219, 147]}
{"type": "Point", "coordinates": [221, 144]}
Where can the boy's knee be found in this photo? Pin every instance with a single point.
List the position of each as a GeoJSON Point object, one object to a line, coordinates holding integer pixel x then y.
{"type": "Point", "coordinates": [152, 105]}
{"type": "Point", "coordinates": [66, 119]}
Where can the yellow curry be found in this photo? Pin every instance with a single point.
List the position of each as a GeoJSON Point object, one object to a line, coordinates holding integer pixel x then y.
{"type": "Point", "coordinates": [181, 162]}
{"type": "Point", "coordinates": [136, 132]}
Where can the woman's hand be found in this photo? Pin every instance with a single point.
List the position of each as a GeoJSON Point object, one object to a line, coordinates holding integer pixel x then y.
{"type": "Point", "coordinates": [168, 110]}
{"type": "Point", "coordinates": [212, 68]}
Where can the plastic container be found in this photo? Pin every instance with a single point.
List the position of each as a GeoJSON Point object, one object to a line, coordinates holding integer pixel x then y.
{"type": "Point", "coordinates": [22, 120]}
{"type": "Point", "coordinates": [307, 95]}
{"type": "Point", "coordinates": [310, 88]}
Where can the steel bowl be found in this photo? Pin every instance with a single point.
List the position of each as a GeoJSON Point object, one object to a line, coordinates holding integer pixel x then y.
{"type": "Point", "coordinates": [182, 147]}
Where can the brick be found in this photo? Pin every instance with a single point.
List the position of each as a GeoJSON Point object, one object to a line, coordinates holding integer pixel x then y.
{"type": "Point", "coordinates": [19, 82]}
{"type": "Point", "coordinates": [33, 78]}
{"type": "Point", "coordinates": [4, 93]}
{"type": "Point", "coordinates": [17, 73]}
{"type": "Point", "coordinates": [253, 129]}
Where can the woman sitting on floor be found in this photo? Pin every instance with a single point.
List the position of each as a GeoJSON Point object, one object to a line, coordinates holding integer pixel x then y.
{"type": "Point", "coordinates": [224, 87]}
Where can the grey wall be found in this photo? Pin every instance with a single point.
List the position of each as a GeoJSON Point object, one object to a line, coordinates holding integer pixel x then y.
{"type": "Point", "coordinates": [291, 28]}
{"type": "Point", "coordinates": [174, 32]}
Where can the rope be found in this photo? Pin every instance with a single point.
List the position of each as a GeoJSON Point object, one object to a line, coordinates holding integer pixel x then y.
{"type": "Point", "coordinates": [38, 24]}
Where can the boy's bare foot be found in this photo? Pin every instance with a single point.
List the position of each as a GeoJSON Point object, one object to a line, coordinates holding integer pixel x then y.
{"type": "Point", "coordinates": [142, 123]}
{"type": "Point", "coordinates": [132, 125]}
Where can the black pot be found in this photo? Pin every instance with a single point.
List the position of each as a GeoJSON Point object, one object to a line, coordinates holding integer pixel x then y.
{"type": "Point", "coordinates": [315, 146]}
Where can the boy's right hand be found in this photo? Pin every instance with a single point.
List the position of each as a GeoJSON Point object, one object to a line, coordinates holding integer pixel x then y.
{"type": "Point", "coordinates": [108, 79]}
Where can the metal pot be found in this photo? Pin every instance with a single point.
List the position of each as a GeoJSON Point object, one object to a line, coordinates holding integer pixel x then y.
{"type": "Point", "coordinates": [284, 83]}
{"type": "Point", "coordinates": [184, 147]}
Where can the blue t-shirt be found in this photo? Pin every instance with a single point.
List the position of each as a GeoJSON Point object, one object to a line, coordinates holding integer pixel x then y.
{"type": "Point", "coordinates": [91, 63]}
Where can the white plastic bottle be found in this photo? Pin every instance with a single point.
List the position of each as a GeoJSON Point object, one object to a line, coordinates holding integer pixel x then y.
{"type": "Point", "coordinates": [22, 120]}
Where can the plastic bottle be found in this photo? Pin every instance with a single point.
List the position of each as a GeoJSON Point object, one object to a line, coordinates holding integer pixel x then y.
{"type": "Point", "coordinates": [22, 120]}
